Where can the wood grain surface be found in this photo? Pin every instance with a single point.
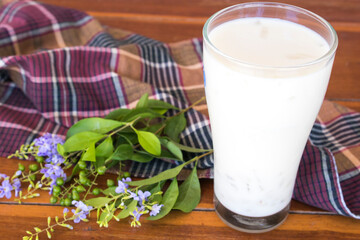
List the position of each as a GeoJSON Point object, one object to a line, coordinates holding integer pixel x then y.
{"type": "Point", "coordinates": [174, 20]}
{"type": "Point", "coordinates": [303, 222]}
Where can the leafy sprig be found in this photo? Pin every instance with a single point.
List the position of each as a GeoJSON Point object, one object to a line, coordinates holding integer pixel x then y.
{"type": "Point", "coordinates": [93, 146]}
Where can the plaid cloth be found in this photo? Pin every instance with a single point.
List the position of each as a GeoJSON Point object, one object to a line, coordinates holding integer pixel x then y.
{"type": "Point", "coordinates": [60, 65]}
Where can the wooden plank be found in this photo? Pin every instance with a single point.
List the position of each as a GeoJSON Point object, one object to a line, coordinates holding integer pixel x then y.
{"type": "Point", "coordinates": [354, 105]}
{"type": "Point", "coordinates": [332, 10]}
{"type": "Point", "coordinates": [9, 166]}
{"type": "Point", "coordinates": [177, 225]}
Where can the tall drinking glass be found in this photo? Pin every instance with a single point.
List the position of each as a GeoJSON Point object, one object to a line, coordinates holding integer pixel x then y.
{"type": "Point", "coordinates": [266, 69]}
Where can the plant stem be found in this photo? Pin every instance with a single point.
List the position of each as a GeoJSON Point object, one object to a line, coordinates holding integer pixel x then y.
{"type": "Point", "coordinates": [182, 111]}
{"type": "Point", "coordinates": [198, 157]}
{"type": "Point", "coordinates": [191, 106]}
{"type": "Point", "coordinates": [92, 183]}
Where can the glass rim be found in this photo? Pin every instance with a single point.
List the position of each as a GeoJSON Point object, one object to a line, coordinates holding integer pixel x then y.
{"type": "Point", "coordinates": [328, 54]}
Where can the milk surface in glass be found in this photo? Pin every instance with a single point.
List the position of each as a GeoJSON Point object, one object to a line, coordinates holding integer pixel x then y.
{"type": "Point", "coordinates": [261, 120]}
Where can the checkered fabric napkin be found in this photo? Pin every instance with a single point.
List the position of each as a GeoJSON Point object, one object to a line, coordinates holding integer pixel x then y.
{"type": "Point", "coordinates": [60, 65]}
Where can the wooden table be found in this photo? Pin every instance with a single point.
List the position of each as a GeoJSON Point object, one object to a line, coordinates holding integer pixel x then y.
{"type": "Point", "coordinates": [171, 21]}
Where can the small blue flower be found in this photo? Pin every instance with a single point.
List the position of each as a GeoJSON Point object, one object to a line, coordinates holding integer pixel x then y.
{"type": "Point", "coordinates": [53, 171]}
{"type": "Point", "coordinates": [18, 173]}
{"type": "Point", "coordinates": [5, 189]}
{"type": "Point", "coordinates": [55, 159]}
{"type": "Point", "coordinates": [137, 213]}
{"type": "Point", "coordinates": [82, 206]}
{"type": "Point", "coordinates": [122, 186]}
{"type": "Point", "coordinates": [142, 197]}
{"type": "Point", "coordinates": [78, 216]}
{"type": "Point", "coordinates": [47, 146]}
{"type": "Point", "coordinates": [155, 209]}
{"type": "Point", "coordinates": [132, 195]}
{"type": "Point", "coordinates": [81, 211]}
{"type": "Point", "coordinates": [65, 211]}
{"type": "Point", "coordinates": [3, 176]}
{"type": "Point", "coordinates": [126, 179]}
{"type": "Point", "coordinates": [16, 186]}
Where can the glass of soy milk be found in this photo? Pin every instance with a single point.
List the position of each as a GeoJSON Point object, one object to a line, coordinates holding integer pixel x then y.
{"type": "Point", "coordinates": [266, 70]}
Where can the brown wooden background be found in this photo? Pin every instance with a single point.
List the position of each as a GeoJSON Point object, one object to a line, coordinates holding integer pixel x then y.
{"type": "Point", "coordinates": [175, 20]}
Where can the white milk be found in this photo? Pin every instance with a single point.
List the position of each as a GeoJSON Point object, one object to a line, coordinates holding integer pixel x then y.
{"type": "Point", "coordinates": [260, 117]}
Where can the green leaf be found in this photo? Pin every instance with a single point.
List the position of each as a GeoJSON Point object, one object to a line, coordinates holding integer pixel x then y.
{"type": "Point", "coordinates": [189, 193]}
{"type": "Point", "coordinates": [141, 157]}
{"type": "Point", "coordinates": [110, 191]}
{"type": "Point", "coordinates": [127, 137]}
{"type": "Point", "coordinates": [98, 125]}
{"type": "Point", "coordinates": [150, 142]}
{"type": "Point", "coordinates": [122, 152]}
{"type": "Point", "coordinates": [126, 212]}
{"type": "Point", "coordinates": [100, 162]}
{"type": "Point", "coordinates": [89, 155]}
{"type": "Point", "coordinates": [157, 198]}
{"type": "Point", "coordinates": [98, 202]}
{"type": "Point", "coordinates": [190, 149]}
{"type": "Point", "coordinates": [143, 102]}
{"type": "Point", "coordinates": [141, 113]}
{"type": "Point", "coordinates": [147, 157]}
{"type": "Point", "coordinates": [148, 187]}
{"type": "Point", "coordinates": [60, 149]}
{"type": "Point", "coordinates": [154, 128]}
{"type": "Point", "coordinates": [118, 114]}
{"type": "Point", "coordinates": [75, 171]}
{"type": "Point", "coordinates": [175, 126]}
{"type": "Point", "coordinates": [167, 174]}
{"type": "Point", "coordinates": [168, 200]}
{"type": "Point", "coordinates": [110, 164]}
{"type": "Point", "coordinates": [106, 217]}
{"type": "Point", "coordinates": [175, 150]}
{"type": "Point", "coordinates": [160, 110]}
{"type": "Point", "coordinates": [105, 149]}
{"type": "Point", "coordinates": [158, 104]}
{"type": "Point", "coordinates": [81, 141]}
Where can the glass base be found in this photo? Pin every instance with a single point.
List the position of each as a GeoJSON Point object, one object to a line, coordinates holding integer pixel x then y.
{"type": "Point", "coordinates": [250, 224]}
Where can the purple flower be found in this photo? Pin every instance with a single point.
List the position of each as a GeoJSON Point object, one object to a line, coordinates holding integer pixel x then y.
{"type": "Point", "coordinates": [53, 171]}
{"type": "Point", "coordinates": [47, 147]}
{"type": "Point", "coordinates": [137, 213]}
{"type": "Point", "coordinates": [5, 189]}
{"type": "Point", "coordinates": [18, 173]}
{"type": "Point", "coordinates": [16, 186]}
{"type": "Point", "coordinates": [78, 216]}
{"type": "Point", "coordinates": [81, 211]}
{"type": "Point", "coordinates": [65, 211]}
{"type": "Point", "coordinates": [126, 179]}
{"type": "Point", "coordinates": [132, 195]}
{"type": "Point", "coordinates": [3, 176]}
{"type": "Point", "coordinates": [55, 159]}
{"type": "Point", "coordinates": [156, 209]}
{"type": "Point", "coordinates": [82, 206]}
{"type": "Point", "coordinates": [122, 186]}
{"type": "Point", "coordinates": [142, 196]}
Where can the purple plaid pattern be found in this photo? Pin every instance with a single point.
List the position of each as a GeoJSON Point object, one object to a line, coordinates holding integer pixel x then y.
{"type": "Point", "coordinates": [59, 65]}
